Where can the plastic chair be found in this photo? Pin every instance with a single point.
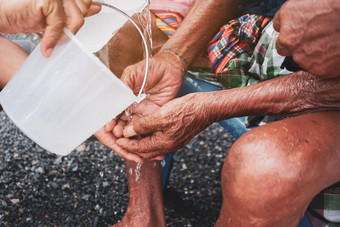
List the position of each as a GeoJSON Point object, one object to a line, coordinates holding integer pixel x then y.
{"type": "Point", "coordinates": [235, 126]}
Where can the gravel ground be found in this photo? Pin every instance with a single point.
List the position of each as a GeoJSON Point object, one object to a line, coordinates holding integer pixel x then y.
{"type": "Point", "coordinates": [89, 186]}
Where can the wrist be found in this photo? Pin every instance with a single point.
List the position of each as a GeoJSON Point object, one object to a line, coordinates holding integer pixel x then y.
{"type": "Point", "coordinates": [181, 60]}
{"type": "Point", "coordinates": [205, 107]}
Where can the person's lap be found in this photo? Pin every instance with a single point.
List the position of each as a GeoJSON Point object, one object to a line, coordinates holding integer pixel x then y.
{"type": "Point", "coordinates": [272, 172]}
{"type": "Point", "coordinates": [302, 150]}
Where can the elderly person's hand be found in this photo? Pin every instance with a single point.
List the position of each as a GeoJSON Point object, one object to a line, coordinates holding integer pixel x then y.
{"type": "Point", "coordinates": [164, 80]}
{"type": "Point", "coordinates": [50, 16]}
{"type": "Point", "coordinates": [310, 31]}
{"type": "Point", "coordinates": [168, 129]}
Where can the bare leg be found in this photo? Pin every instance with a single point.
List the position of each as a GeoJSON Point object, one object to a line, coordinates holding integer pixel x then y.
{"type": "Point", "coordinates": [125, 48]}
{"type": "Point", "coordinates": [146, 197]}
{"type": "Point", "coordinates": [12, 57]}
{"type": "Point", "coordinates": [273, 172]}
{"type": "Point", "coordinates": [145, 207]}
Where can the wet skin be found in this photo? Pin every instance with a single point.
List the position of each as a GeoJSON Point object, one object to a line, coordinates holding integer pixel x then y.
{"type": "Point", "coordinates": [271, 173]}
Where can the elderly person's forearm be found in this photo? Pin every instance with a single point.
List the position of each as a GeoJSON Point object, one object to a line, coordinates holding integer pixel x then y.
{"type": "Point", "coordinates": [293, 94]}
{"type": "Point", "coordinates": [199, 26]}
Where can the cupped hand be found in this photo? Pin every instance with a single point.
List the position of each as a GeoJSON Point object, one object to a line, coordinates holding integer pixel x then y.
{"type": "Point", "coordinates": [164, 80]}
{"type": "Point", "coordinates": [310, 33]}
{"type": "Point", "coordinates": [50, 16]}
{"type": "Point", "coordinates": [168, 129]}
{"type": "Point", "coordinates": [107, 136]}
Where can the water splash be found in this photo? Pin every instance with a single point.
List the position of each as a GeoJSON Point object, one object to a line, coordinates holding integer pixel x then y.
{"type": "Point", "coordinates": [137, 171]}
{"type": "Point", "coordinates": [128, 113]}
{"type": "Point", "coordinates": [163, 163]}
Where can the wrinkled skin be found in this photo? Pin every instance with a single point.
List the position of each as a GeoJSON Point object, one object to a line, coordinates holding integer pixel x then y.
{"type": "Point", "coordinates": [178, 121]}
{"type": "Point", "coordinates": [168, 129]}
{"type": "Point", "coordinates": [264, 168]}
{"type": "Point", "coordinates": [50, 16]}
{"type": "Point", "coordinates": [310, 31]}
{"type": "Point", "coordinates": [162, 85]}
{"type": "Point", "coordinates": [170, 62]}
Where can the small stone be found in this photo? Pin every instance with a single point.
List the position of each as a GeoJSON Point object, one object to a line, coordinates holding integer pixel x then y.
{"type": "Point", "coordinates": [81, 148]}
{"type": "Point", "coordinates": [15, 201]}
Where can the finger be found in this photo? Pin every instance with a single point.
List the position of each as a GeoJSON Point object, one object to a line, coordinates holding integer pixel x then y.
{"type": "Point", "coordinates": [109, 140]}
{"type": "Point", "coordinates": [106, 138]}
{"type": "Point", "coordinates": [129, 131]}
{"type": "Point", "coordinates": [94, 9]}
{"type": "Point", "coordinates": [55, 22]}
{"type": "Point", "coordinates": [159, 158]}
{"type": "Point", "coordinates": [110, 125]}
{"type": "Point", "coordinates": [118, 131]}
{"type": "Point", "coordinates": [144, 145]}
{"type": "Point", "coordinates": [142, 126]}
{"type": "Point", "coordinates": [276, 22]}
{"type": "Point", "coordinates": [156, 155]}
{"type": "Point", "coordinates": [127, 155]}
{"type": "Point", "coordinates": [74, 17]}
{"type": "Point", "coordinates": [124, 117]}
{"type": "Point", "coordinates": [83, 6]}
{"type": "Point", "coordinates": [131, 77]}
{"type": "Point", "coordinates": [281, 48]}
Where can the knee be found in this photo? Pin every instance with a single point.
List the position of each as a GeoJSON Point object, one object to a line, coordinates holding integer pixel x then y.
{"type": "Point", "coordinates": [258, 168]}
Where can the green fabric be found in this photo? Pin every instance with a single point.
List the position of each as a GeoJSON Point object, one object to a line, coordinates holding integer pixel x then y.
{"type": "Point", "coordinates": [264, 64]}
{"type": "Point", "coordinates": [248, 68]}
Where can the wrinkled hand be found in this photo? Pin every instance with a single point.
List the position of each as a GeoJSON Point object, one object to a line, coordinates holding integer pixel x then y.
{"type": "Point", "coordinates": [168, 129]}
{"type": "Point", "coordinates": [50, 16]}
{"type": "Point", "coordinates": [164, 80]}
{"type": "Point", "coordinates": [310, 31]}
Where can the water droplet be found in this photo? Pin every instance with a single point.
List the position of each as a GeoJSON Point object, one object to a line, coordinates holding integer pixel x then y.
{"type": "Point", "coordinates": [137, 170]}
{"type": "Point", "coordinates": [163, 163]}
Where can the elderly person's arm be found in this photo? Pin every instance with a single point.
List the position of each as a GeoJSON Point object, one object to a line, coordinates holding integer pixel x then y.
{"type": "Point", "coordinates": [202, 22]}
{"type": "Point", "coordinates": [177, 122]}
{"type": "Point", "coordinates": [168, 65]}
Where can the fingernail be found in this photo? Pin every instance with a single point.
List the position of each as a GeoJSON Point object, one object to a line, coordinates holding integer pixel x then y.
{"type": "Point", "coordinates": [129, 131]}
{"type": "Point", "coordinates": [49, 52]}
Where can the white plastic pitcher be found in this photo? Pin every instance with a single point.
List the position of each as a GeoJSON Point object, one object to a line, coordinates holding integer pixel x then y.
{"type": "Point", "coordinates": [107, 22]}
{"type": "Point", "coordinates": [61, 101]}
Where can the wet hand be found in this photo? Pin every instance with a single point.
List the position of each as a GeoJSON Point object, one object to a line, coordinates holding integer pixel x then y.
{"type": "Point", "coordinates": [168, 129]}
{"type": "Point", "coordinates": [107, 136]}
{"type": "Point", "coordinates": [113, 130]}
{"type": "Point", "coordinates": [164, 79]}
